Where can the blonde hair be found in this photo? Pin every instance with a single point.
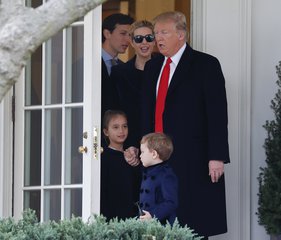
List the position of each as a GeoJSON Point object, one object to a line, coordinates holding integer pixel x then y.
{"type": "Point", "coordinates": [140, 24]}
{"type": "Point", "coordinates": [159, 142]}
{"type": "Point", "coordinates": [177, 17]}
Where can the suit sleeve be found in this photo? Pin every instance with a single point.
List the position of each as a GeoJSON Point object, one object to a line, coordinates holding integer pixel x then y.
{"type": "Point", "coordinates": [216, 111]}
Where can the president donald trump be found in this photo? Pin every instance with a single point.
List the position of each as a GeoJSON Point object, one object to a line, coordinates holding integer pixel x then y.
{"type": "Point", "coordinates": [183, 95]}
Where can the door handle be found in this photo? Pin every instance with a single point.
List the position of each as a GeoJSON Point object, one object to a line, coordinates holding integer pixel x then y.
{"type": "Point", "coordinates": [82, 149]}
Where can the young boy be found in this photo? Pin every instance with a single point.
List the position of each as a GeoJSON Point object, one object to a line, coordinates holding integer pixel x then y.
{"type": "Point", "coordinates": [159, 187]}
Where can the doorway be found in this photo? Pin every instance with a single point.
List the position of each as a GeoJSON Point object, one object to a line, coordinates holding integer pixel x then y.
{"type": "Point", "coordinates": [145, 10]}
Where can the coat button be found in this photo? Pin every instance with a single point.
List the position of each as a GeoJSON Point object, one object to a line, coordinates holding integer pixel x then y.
{"type": "Point", "coordinates": [146, 190]}
{"type": "Point", "coordinates": [153, 177]}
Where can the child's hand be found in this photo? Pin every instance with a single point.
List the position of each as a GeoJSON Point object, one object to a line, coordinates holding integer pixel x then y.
{"type": "Point", "coordinates": [146, 216]}
{"type": "Point", "coordinates": [131, 156]}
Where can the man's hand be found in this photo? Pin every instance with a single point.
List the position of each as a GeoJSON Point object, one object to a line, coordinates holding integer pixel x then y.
{"type": "Point", "coordinates": [216, 170]}
{"type": "Point", "coordinates": [131, 156]}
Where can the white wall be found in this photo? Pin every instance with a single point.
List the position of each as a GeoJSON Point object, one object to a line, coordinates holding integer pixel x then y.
{"type": "Point", "coordinates": [266, 53]}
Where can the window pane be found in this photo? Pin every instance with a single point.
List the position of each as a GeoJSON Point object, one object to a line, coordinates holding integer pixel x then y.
{"type": "Point", "coordinates": [52, 205]}
{"type": "Point", "coordinates": [32, 148]}
{"type": "Point", "coordinates": [74, 64]}
{"type": "Point", "coordinates": [73, 203]}
{"type": "Point", "coordinates": [53, 144]}
{"type": "Point", "coordinates": [32, 200]}
{"type": "Point", "coordinates": [73, 139]}
{"type": "Point", "coordinates": [54, 69]}
{"type": "Point", "coordinates": [33, 79]}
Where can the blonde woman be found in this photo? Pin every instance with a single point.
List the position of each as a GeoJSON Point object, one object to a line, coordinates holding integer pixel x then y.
{"type": "Point", "coordinates": [127, 77]}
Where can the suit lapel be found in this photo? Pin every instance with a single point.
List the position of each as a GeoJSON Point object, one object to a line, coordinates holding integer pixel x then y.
{"type": "Point", "coordinates": [104, 69]}
{"type": "Point", "coordinates": [155, 74]}
{"type": "Point", "coordinates": [181, 70]}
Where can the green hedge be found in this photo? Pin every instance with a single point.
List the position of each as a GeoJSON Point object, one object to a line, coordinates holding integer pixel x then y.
{"type": "Point", "coordinates": [95, 229]}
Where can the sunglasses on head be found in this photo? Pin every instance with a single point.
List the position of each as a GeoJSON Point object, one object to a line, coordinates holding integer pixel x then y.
{"type": "Point", "coordinates": [148, 38]}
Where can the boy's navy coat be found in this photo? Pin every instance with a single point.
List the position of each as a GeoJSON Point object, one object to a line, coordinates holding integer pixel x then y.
{"type": "Point", "coordinates": [195, 117]}
{"type": "Point", "coordinates": [159, 192]}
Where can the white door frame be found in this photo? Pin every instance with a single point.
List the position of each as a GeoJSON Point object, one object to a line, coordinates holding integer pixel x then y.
{"type": "Point", "coordinates": [91, 122]}
{"type": "Point", "coordinates": [92, 75]}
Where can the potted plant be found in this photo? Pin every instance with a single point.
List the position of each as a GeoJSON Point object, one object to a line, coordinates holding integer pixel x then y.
{"type": "Point", "coordinates": [269, 210]}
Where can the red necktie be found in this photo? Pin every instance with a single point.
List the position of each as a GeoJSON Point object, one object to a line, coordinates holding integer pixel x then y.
{"type": "Point", "coordinates": [161, 96]}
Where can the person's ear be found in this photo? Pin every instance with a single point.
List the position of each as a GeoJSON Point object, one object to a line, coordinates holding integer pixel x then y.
{"type": "Point", "coordinates": [106, 33]}
{"type": "Point", "coordinates": [181, 35]}
{"type": "Point", "coordinates": [154, 154]}
{"type": "Point", "coordinates": [105, 132]}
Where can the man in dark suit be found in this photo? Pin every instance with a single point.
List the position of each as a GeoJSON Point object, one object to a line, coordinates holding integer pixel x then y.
{"type": "Point", "coordinates": [194, 115]}
{"type": "Point", "coordinates": [115, 40]}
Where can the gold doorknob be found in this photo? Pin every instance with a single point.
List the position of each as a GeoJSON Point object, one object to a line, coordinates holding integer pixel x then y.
{"type": "Point", "coordinates": [82, 149]}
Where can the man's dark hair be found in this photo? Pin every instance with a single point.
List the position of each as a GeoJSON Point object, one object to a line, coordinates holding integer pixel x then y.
{"type": "Point", "coordinates": [111, 21]}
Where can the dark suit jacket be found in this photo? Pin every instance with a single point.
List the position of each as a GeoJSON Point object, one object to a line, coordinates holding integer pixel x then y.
{"type": "Point", "coordinates": [109, 96]}
{"type": "Point", "coordinates": [195, 117]}
{"type": "Point", "coordinates": [128, 83]}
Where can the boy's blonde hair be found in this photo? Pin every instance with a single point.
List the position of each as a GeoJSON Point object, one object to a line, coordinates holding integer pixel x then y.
{"type": "Point", "coordinates": [159, 142]}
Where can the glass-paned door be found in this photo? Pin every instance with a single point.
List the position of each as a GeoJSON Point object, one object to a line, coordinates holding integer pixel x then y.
{"type": "Point", "coordinates": [58, 112]}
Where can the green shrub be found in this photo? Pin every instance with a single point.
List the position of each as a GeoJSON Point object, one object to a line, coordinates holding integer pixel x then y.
{"type": "Point", "coordinates": [269, 210]}
{"type": "Point", "coordinates": [97, 228]}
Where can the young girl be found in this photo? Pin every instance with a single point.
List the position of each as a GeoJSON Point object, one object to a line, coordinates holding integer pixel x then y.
{"type": "Point", "coordinates": [119, 181]}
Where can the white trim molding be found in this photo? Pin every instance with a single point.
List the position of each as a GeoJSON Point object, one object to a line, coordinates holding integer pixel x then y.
{"type": "Point", "coordinates": [198, 18]}
{"type": "Point", "coordinates": [245, 118]}
{"type": "Point", "coordinates": [6, 132]}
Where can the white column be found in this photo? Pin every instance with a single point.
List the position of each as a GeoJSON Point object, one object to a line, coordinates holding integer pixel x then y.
{"type": "Point", "coordinates": [6, 156]}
